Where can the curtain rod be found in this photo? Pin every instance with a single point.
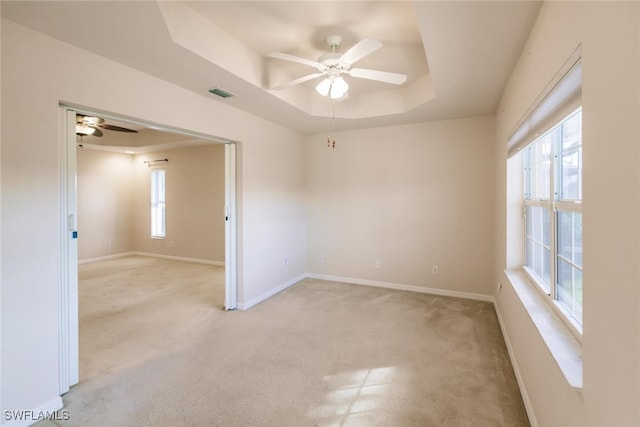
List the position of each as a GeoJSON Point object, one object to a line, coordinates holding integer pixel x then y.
{"type": "Point", "coordinates": [148, 162]}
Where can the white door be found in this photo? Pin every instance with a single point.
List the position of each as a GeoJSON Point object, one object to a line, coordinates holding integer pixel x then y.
{"type": "Point", "coordinates": [230, 298]}
{"type": "Point", "coordinates": [69, 355]}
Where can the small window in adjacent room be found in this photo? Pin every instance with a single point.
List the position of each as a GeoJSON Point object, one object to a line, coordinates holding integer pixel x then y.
{"type": "Point", "coordinates": [552, 176]}
{"type": "Point", "coordinates": [157, 203]}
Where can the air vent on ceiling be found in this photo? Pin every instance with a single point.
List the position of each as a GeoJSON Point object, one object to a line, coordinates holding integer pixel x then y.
{"type": "Point", "coordinates": [221, 93]}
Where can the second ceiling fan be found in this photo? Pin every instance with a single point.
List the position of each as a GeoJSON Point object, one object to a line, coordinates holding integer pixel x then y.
{"type": "Point", "coordinates": [91, 125]}
{"type": "Point", "coordinates": [333, 65]}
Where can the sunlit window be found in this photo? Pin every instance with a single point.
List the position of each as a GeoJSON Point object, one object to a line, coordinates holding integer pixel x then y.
{"type": "Point", "coordinates": [158, 203]}
{"type": "Point", "coordinates": [553, 213]}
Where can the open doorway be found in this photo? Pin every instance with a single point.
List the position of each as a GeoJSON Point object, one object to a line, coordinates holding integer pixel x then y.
{"type": "Point", "coordinates": [138, 154]}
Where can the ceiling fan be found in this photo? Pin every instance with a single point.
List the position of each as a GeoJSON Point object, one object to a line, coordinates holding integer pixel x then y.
{"type": "Point", "coordinates": [333, 64]}
{"type": "Point", "coordinates": [91, 125]}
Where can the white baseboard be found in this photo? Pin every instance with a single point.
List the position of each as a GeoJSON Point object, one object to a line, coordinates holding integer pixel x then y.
{"type": "Point", "coordinates": [179, 258]}
{"type": "Point", "coordinates": [365, 282]}
{"type": "Point", "coordinates": [24, 418]}
{"type": "Point", "coordinates": [523, 390]}
{"type": "Point", "coordinates": [152, 255]}
{"type": "Point", "coordinates": [104, 258]}
{"type": "Point", "coordinates": [257, 300]}
{"type": "Point", "coordinates": [412, 288]}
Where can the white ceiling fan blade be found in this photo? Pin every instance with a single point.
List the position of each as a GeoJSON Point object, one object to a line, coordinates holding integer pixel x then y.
{"type": "Point", "coordinates": [287, 57]}
{"type": "Point", "coordinates": [381, 76]}
{"type": "Point", "coordinates": [361, 49]}
{"type": "Point", "coordinates": [298, 81]}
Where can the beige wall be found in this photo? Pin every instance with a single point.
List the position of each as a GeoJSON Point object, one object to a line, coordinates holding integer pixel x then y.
{"type": "Point", "coordinates": [113, 203]}
{"type": "Point", "coordinates": [105, 203]}
{"type": "Point", "coordinates": [608, 32]}
{"type": "Point", "coordinates": [273, 213]}
{"type": "Point", "coordinates": [410, 197]}
{"type": "Point", "coordinates": [194, 203]}
{"type": "Point", "coordinates": [37, 73]}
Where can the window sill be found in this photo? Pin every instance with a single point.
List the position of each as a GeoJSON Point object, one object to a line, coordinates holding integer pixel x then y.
{"type": "Point", "coordinates": [562, 344]}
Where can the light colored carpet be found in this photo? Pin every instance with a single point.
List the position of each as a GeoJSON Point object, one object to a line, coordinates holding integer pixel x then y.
{"type": "Point", "coordinates": [158, 350]}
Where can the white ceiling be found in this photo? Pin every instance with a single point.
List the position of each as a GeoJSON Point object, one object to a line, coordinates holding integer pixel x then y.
{"type": "Point", "coordinates": [301, 29]}
{"type": "Point", "coordinates": [458, 55]}
{"type": "Point", "coordinates": [144, 140]}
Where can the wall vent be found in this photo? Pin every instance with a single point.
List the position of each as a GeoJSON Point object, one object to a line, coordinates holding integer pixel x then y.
{"type": "Point", "coordinates": [221, 93]}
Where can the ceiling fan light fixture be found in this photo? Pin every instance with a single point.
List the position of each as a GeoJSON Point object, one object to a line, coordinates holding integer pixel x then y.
{"type": "Point", "coordinates": [323, 87]}
{"type": "Point", "coordinates": [339, 88]}
{"type": "Point", "coordinates": [84, 129]}
{"type": "Point", "coordinates": [333, 64]}
{"type": "Point", "coordinates": [335, 87]}
{"type": "Point", "coordinates": [92, 121]}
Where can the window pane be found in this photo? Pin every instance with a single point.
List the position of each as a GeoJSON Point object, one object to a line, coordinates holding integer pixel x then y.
{"type": "Point", "coordinates": [569, 289]}
{"type": "Point", "coordinates": [570, 165]}
{"type": "Point", "coordinates": [538, 259]}
{"type": "Point", "coordinates": [577, 295]}
{"type": "Point", "coordinates": [539, 156]}
{"type": "Point", "coordinates": [536, 266]}
{"type": "Point", "coordinates": [546, 268]}
{"type": "Point", "coordinates": [158, 220]}
{"type": "Point", "coordinates": [158, 203]}
{"type": "Point", "coordinates": [537, 250]}
{"type": "Point", "coordinates": [538, 225]}
{"type": "Point", "coordinates": [570, 236]}
{"type": "Point", "coordinates": [533, 222]}
{"type": "Point", "coordinates": [526, 176]}
{"type": "Point", "coordinates": [546, 227]}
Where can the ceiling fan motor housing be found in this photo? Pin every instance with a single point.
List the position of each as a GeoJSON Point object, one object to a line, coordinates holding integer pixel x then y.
{"type": "Point", "coordinates": [334, 41]}
{"type": "Point", "coordinates": [332, 64]}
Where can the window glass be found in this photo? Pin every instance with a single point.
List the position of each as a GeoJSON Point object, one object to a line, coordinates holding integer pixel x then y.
{"type": "Point", "coordinates": [539, 167]}
{"type": "Point", "coordinates": [157, 203]}
{"type": "Point", "coordinates": [569, 264]}
{"type": "Point", "coordinates": [553, 226]}
{"type": "Point", "coordinates": [571, 159]}
{"type": "Point", "coordinates": [569, 289]}
{"type": "Point", "coordinates": [570, 236]}
{"type": "Point", "coordinates": [538, 251]}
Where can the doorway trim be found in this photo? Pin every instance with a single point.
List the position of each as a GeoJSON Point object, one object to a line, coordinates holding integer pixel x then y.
{"type": "Point", "coordinates": [68, 338]}
{"type": "Point", "coordinates": [230, 224]}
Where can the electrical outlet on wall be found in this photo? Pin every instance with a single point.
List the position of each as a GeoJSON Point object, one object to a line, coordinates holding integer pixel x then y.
{"type": "Point", "coordinates": [378, 264]}
{"type": "Point", "coordinates": [499, 287]}
{"type": "Point", "coordinates": [286, 262]}
{"type": "Point", "coordinates": [435, 270]}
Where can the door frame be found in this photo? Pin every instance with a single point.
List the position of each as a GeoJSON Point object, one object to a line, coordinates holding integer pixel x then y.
{"type": "Point", "coordinates": [68, 338]}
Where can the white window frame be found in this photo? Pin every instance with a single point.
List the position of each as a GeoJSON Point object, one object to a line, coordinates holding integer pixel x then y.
{"type": "Point", "coordinates": [553, 205]}
{"type": "Point", "coordinates": [561, 96]}
{"type": "Point", "coordinates": [158, 205]}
